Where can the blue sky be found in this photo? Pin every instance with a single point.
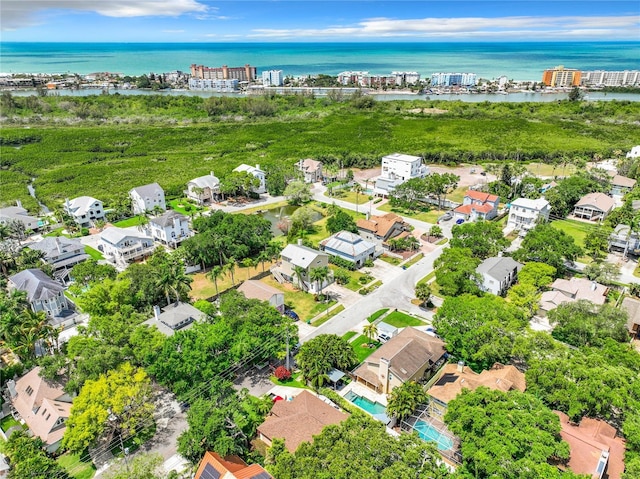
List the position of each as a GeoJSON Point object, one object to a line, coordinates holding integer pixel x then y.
{"type": "Point", "coordinates": [315, 20]}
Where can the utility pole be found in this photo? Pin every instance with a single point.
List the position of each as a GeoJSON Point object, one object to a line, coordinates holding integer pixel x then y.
{"type": "Point", "coordinates": [288, 361]}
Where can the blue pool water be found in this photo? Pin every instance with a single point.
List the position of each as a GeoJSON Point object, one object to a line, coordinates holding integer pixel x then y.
{"type": "Point", "coordinates": [428, 433]}
{"type": "Point", "coordinates": [371, 407]}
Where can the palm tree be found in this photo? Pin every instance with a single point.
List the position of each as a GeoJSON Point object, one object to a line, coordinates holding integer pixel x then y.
{"type": "Point", "coordinates": [319, 276]}
{"type": "Point", "coordinates": [423, 292]}
{"type": "Point", "coordinates": [248, 263]}
{"type": "Point", "coordinates": [370, 330]}
{"type": "Point", "coordinates": [358, 189]}
{"type": "Point", "coordinates": [213, 275]}
{"type": "Point", "coordinates": [404, 399]}
{"type": "Point", "coordinates": [231, 267]}
{"type": "Point", "coordinates": [263, 257]}
{"type": "Point", "coordinates": [173, 279]}
{"type": "Point", "coordinates": [299, 273]}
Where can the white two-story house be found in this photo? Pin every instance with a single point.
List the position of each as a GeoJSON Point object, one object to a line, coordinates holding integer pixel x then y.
{"type": "Point", "coordinates": [171, 228]}
{"type": "Point", "coordinates": [497, 274]}
{"type": "Point", "coordinates": [258, 173]}
{"type": "Point", "coordinates": [84, 210]}
{"type": "Point", "coordinates": [122, 246]}
{"type": "Point", "coordinates": [525, 214]}
{"type": "Point", "coordinates": [396, 169]}
{"type": "Point", "coordinates": [61, 253]}
{"type": "Point", "coordinates": [43, 293]}
{"type": "Point", "coordinates": [147, 198]}
{"type": "Point", "coordinates": [203, 189]}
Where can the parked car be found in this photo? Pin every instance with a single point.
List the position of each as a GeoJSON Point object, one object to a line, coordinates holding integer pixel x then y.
{"type": "Point", "coordinates": [383, 337]}
{"type": "Point", "coordinates": [292, 314]}
{"type": "Point", "coordinates": [459, 221]}
{"type": "Point", "coordinates": [445, 217]}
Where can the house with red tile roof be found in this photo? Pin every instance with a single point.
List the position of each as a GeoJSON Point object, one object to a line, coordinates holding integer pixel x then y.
{"type": "Point", "coordinates": [213, 466]}
{"type": "Point", "coordinates": [298, 420]}
{"type": "Point", "coordinates": [477, 205]}
{"type": "Point", "coordinates": [593, 446]}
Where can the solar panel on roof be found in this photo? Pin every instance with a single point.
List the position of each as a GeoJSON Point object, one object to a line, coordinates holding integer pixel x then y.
{"type": "Point", "coordinates": [210, 472]}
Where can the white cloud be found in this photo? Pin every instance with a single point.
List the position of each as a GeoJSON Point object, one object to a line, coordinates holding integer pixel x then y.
{"type": "Point", "coordinates": [16, 14]}
{"type": "Point", "coordinates": [602, 27]}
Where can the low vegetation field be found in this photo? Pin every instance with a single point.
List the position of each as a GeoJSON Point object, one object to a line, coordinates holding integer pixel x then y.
{"type": "Point", "coordinates": [402, 320]}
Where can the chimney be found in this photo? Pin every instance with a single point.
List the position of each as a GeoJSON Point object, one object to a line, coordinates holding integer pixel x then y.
{"type": "Point", "coordinates": [460, 366]}
{"type": "Point", "coordinates": [257, 166]}
{"type": "Point", "coordinates": [383, 374]}
{"type": "Point", "coordinates": [211, 173]}
{"type": "Point", "coordinates": [156, 312]}
{"type": "Point", "coordinates": [299, 241]}
{"type": "Point", "coordinates": [594, 285]}
{"type": "Point", "coordinates": [367, 216]}
{"type": "Point", "coordinates": [19, 203]}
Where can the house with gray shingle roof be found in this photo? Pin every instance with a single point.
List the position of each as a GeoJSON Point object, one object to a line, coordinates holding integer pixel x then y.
{"type": "Point", "coordinates": [43, 293]}
{"type": "Point", "coordinates": [295, 256]}
{"type": "Point", "coordinates": [498, 274]}
{"type": "Point", "coordinates": [203, 189]}
{"type": "Point", "coordinates": [18, 213]}
{"type": "Point", "coordinates": [147, 198]}
{"type": "Point", "coordinates": [175, 317]}
{"type": "Point", "coordinates": [349, 246]}
{"type": "Point", "coordinates": [170, 228]}
{"type": "Point", "coordinates": [84, 210]}
{"type": "Point", "coordinates": [61, 253]}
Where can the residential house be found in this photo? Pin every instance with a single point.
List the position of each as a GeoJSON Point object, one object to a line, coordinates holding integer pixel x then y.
{"type": "Point", "coordinates": [411, 355]}
{"type": "Point", "coordinates": [525, 214]}
{"type": "Point", "coordinates": [43, 405]}
{"type": "Point", "coordinates": [453, 378]}
{"type": "Point", "coordinates": [175, 317]}
{"type": "Point", "coordinates": [253, 289]}
{"type": "Point", "coordinates": [380, 229]}
{"type": "Point", "coordinates": [84, 210]}
{"type": "Point", "coordinates": [396, 169]}
{"type": "Point", "coordinates": [204, 189]}
{"type": "Point", "coordinates": [566, 291]}
{"type": "Point", "coordinates": [295, 256]}
{"type": "Point", "coordinates": [298, 420]}
{"type": "Point", "coordinates": [594, 207]}
{"type": "Point", "coordinates": [147, 198]}
{"type": "Point", "coordinates": [258, 173]}
{"type": "Point", "coordinates": [498, 274]}
{"type": "Point", "coordinates": [213, 466]}
{"type": "Point", "coordinates": [477, 205]}
{"type": "Point", "coordinates": [548, 186]}
{"type": "Point", "coordinates": [18, 213]}
{"type": "Point", "coordinates": [61, 253]}
{"type": "Point", "coordinates": [621, 185]}
{"type": "Point", "coordinates": [634, 153]}
{"type": "Point", "coordinates": [595, 449]}
{"type": "Point", "coordinates": [124, 245]}
{"type": "Point", "coordinates": [311, 170]}
{"type": "Point", "coordinates": [170, 228]}
{"type": "Point", "coordinates": [349, 246]}
{"type": "Point", "coordinates": [632, 307]}
{"type": "Point", "coordinates": [43, 293]}
{"type": "Point", "coordinates": [625, 240]}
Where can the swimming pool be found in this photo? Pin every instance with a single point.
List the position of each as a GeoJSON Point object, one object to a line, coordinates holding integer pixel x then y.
{"type": "Point", "coordinates": [371, 407]}
{"type": "Point", "coordinates": [428, 433]}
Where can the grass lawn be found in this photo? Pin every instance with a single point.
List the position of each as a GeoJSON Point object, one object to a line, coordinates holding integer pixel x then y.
{"type": "Point", "coordinates": [326, 317]}
{"type": "Point", "coordinates": [427, 277]}
{"type": "Point", "coordinates": [354, 277]}
{"type": "Point", "coordinates": [391, 260]}
{"type": "Point", "coordinates": [413, 260]}
{"type": "Point", "coordinates": [8, 422]}
{"type": "Point", "coordinates": [544, 169]}
{"type": "Point", "coordinates": [377, 314]}
{"type": "Point", "coordinates": [348, 335]}
{"type": "Point", "coordinates": [203, 288]}
{"type": "Point", "coordinates": [351, 197]}
{"type": "Point", "coordinates": [57, 232]}
{"type": "Point", "coordinates": [301, 302]}
{"type": "Point", "coordinates": [636, 272]}
{"type": "Point", "coordinates": [271, 206]}
{"type": "Point", "coordinates": [134, 221]}
{"type": "Point", "coordinates": [94, 253]}
{"type": "Point", "coordinates": [457, 195]}
{"type": "Point", "coordinates": [402, 320]}
{"type": "Point", "coordinates": [361, 352]}
{"type": "Point", "coordinates": [430, 216]}
{"type": "Point", "coordinates": [576, 229]}
{"type": "Point", "coordinates": [442, 241]}
{"type": "Point", "coordinates": [294, 382]}
{"type": "Point", "coordinates": [180, 205]}
{"type": "Point", "coordinates": [77, 467]}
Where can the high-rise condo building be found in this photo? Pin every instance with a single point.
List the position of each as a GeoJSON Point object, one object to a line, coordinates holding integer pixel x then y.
{"type": "Point", "coordinates": [561, 76]}
{"type": "Point", "coordinates": [272, 78]}
{"type": "Point", "coordinates": [245, 73]}
{"type": "Point", "coordinates": [611, 78]}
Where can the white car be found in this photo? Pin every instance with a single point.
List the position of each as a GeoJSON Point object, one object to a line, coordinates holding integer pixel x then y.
{"type": "Point", "coordinates": [383, 337]}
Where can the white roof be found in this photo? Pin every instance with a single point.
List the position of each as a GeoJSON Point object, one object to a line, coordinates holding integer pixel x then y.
{"type": "Point", "coordinates": [301, 255]}
{"type": "Point", "coordinates": [538, 204]}
{"type": "Point", "coordinates": [402, 157]}
{"type": "Point", "coordinates": [206, 181]}
{"type": "Point", "coordinates": [348, 243]}
{"type": "Point", "coordinates": [114, 234]}
{"type": "Point", "coordinates": [248, 168]}
{"type": "Point", "coordinates": [82, 204]}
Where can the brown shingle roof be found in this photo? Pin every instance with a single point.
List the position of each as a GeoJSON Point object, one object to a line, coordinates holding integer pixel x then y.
{"type": "Point", "coordinates": [380, 225]}
{"type": "Point", "coordinates": [452, 382]}
{"type": "Point", "coordinates": [253, 289]}
{"type": "Point", "coordinates": [619, 180]}
{"type": "Point", "coordinates": [581, 288]}
{"type": "Point", "coordinates": [297, 421]}
{"type": "Point", "coordinates": [587, 443]}
{"type": "Point", "coordinates": [632, 307]}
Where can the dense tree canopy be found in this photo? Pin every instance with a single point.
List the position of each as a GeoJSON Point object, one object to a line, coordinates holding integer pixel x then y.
{"type": "Point", "coordinates": [318, 355]}
{"type": "Point", "coordinates": [479, 331]}
{"type": "Point", "coordinates": [569, 191]}
{"type": "Point", "coordinates": [359, 447]}
{"type": "Point", "coordinates": [582, 323]}
{"type": "Point", "coordinates": [484, 238]}
{"type": "Point", "coordinates": [297, 192]}
{"type": "Point", "coordinates": [456, 272]}
{"type": "Point", "coordinates": [28, 458]}
{"type": "Point", "coordinates": [506, 435]}
{"type": "Point", "coordinates": [545, 244]}
{"type": "Point", "coordinates": [404, 399]}
{"type": "Point", "coordinates": [538, 275]}
{"type": "Point", "coordinates": [341, 221]}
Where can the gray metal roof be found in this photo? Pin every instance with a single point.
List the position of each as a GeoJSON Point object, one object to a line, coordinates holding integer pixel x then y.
{"type": "Point", "coordinates": [299, 255]}
{"type": "Point", "coordinates": [166, 219]}
{"type": "Point", "coordinates": [348, 243]}
{"type": "Point", "coordinates": [335, 375]}
{"type": "Point", "coordinates": [206, 181]}
{"type": "Point", "coordinates": [498, 267]}
{"type": "Point", "coordinates": [56, 245]}
{"type": "Point", "coordinates": [37, 284]}
{"type": "Point", "coordinates": [151, 189]}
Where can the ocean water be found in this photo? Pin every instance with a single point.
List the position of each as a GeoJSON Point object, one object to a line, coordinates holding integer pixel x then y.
{"type": "Point", "coordinates": [518, 61]}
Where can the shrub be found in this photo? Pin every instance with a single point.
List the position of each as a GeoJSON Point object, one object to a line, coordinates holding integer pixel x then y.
{"type": "Point", "coordinates": [341, 276]}
{"type": "Point", "coordinates": [369, 263]}
{"type": "Point", "coordinates": [343, 263]}
{"type": "Point", "coordinates": [84, 231]}
{"type": "Point", "coordinates": [282, 373]}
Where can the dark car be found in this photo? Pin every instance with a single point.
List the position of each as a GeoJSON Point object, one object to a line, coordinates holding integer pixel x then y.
{"type": "Point", "coordinates": [445, 217]}
{"type": "Point", "coordinates": [292, 314]}
{"type": "Point", "coordinates": [459, 221]}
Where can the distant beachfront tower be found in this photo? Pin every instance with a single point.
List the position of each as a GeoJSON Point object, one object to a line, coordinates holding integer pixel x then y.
{"type": "Point", "coordinates": [561, 77]}
{"type": "Point", "coordinates": [272, 78]}
{"type": "Point", "coordinates": [453, 79]}
{"type": "Point", "coordinates": [408, 78]}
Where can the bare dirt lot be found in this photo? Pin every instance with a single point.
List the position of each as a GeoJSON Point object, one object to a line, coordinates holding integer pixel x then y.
{"type": "Point", "coordinates": [464, 172]}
